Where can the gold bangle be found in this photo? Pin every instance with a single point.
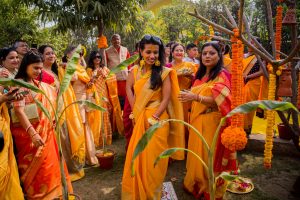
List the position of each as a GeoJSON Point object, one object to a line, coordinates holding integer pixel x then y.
{"type": "Point", "coordinates": [201, 99]}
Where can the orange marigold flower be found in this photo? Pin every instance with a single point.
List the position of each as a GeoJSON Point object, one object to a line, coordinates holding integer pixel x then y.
{"type": "Point", "coordinates": [234, 138]}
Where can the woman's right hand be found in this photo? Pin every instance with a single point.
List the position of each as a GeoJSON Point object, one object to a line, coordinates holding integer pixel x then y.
{"type": "Point", "coordinates": [37, 140]}
{"type": "Point", "coordinates": [4, 73]}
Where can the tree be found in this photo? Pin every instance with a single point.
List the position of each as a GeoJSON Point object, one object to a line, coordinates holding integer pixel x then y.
{"type": "Point", "coordinates": [74, 14]}
{"type": "Point", "coordinates": [16, 22]}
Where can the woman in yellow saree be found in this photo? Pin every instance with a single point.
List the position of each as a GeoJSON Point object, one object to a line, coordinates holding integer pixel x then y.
{"type": "Point", "coordinates": [154, 98]}
{"type": "Point", "coordinates": [37, 153]}
{"type": "Point", "coordinates": [254, 87]}
{"type": "Point", "coordinates": [10, 187]}
{"type": "Point", "coordinates": [210, 97]}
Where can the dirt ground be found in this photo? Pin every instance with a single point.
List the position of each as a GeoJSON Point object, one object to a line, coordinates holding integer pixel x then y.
{"type": "Point", "coordinates": [273, 184]}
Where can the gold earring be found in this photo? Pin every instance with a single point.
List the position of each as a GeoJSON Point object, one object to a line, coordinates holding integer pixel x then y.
{"type": "Point", "coordinates": [157, 63]}
{"type": "Point", "coordinates": [142, 63]}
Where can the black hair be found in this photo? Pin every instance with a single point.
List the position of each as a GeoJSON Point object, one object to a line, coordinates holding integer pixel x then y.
{"type": "Point", "coordinates": [137, 46]}
{"type": "Point", "coordinates": [190, 46]}
{"type": "Point", "coordinates": [170, 44]}
{"type": "Point", "coordinates": [227, 49]}
{"type": "Point", "coordinates": [28, 59]}
{"type": "Point", "coordinates": [4, 52]}
{"type": "Point", "coordinates": [155, 79]}
{"type": "Point", "coordinates": [176, 45]}
{"type": "Point", "coordinates": [215, 70]}
{"type": "Point", "coordinates": [93, 55]}
{"type": "Point", "coordinates": [54, 66]}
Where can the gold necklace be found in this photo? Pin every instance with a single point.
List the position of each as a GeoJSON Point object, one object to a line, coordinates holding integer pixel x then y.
{"type": "Point", "coordinates": [145, 75]}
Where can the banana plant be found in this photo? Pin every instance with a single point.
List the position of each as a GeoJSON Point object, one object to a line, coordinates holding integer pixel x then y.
{"type": "Point", "coordinates": [208, 167]}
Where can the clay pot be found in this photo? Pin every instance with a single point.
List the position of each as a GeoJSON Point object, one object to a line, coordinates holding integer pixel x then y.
{"type": "Point", "coordinates": [284, 132]}
{"type": "Point", "coordinates": [106, 160]}
{"type": "Point", "coordinates": [285, 84]}
{"type": "Point", "coordinates": [71, 196]}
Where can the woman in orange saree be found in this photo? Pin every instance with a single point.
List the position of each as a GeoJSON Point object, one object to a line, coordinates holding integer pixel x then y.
{"type": "Point", "coordinates": [210, 97]}
{"type": "Point", "coordinates": [37, 153]}
{"type": "Point", "coordinates": [154, 98]}
{"type": "Point", "coordinates": [10, 187]}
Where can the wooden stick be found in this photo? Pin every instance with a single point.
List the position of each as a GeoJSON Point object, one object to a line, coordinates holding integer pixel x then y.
{"type": "Point", "coordinates": [231, 19]}
{"type": "Point", "coordinates": [283, 54]}
{"type": "Point", "coordinates": [219, 38]}
{"type": "Point", "coordinates": [271, 31]}
{"type": "Point", "coordinates": [241, 13]}
{"type": "Point", "coordinates": [227, 22]}
{"type": "Point", "coordinates": [292, 54]}
{"type": "Point", "coordinates": [261, 47]}
{"type": "Point", "coordinates": [203, 19]}
{"type": "Point", "coordinates": [257, 51]}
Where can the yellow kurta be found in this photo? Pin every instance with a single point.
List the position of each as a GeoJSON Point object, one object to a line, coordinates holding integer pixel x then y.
{"type": "Point", "coordinates": [147, 182]}
{"type": "Point", "coordinates": [10, 187]}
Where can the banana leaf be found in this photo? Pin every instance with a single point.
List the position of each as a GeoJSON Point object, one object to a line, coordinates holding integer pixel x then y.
{"type": "Point", "coordinates": [44, 110]}
{"type": "Point", "coordinates": [263, 104]}
{"type": "Point", "coordinates": [123, 65]}
{"type": "Point", "coordinates": [70, 70]}
{"type": "Point", "coordinates": [21, 83]}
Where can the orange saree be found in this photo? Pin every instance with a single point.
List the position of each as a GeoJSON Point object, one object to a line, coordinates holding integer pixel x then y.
{"type": "Point", "coordinates": [39, 167]}
{"type": "Point", "coordinates": [147, 182]}
{"type": "Point", "coordinates": [206, 120]}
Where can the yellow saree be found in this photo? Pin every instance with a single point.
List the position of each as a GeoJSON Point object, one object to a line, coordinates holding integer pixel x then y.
{"type": "Point", "coordinates": [147, 182]}
{"type": "Point", "coordinates": [252, 89]}
{"type": "Point", "coordinates": [73, 142]}
{"type": "Point", "coordinates": [10, 187]}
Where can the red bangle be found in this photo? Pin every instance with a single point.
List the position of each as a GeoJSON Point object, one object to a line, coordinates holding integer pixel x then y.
{"type": "Point", "coordinates": [27, 129]}
{"type": "Point", "coordinates": [155, 117]}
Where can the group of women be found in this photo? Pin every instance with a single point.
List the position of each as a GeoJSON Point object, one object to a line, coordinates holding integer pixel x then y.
{"type": "Point", "coordinates": [30, 155]}
{"type": "Point", "coordinates": [156, 90]}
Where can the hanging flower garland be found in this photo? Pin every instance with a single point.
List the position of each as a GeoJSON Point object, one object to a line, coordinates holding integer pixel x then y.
{"type": "Point", "coordinates": [102, 42]}
{"type": "Point", "coordinates": [211, 32]}
{"type": "Point", "coordinates": [234, 137]}
{"type": "Point", "coordinates": [272, 89]}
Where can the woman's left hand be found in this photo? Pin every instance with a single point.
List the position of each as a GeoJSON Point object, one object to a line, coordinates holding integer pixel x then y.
{"type": "Point", "coordinates": [186, 96]}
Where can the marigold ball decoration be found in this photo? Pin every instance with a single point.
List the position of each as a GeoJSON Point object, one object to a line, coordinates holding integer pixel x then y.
{"type": "Point", "coordinates": [102, 42]}
{"type": "Point", "coordinates": [278, 72]}
{"type": "Point", "coordinates": [234, 138]}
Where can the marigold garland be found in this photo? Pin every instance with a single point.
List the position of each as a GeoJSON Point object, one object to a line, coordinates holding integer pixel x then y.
{"type": "Point", "coordinates": [234, 138]}
{"type": "Point", "coordinates": [272, 88]}
{"type": "Point", "coordinates": [102, 42]}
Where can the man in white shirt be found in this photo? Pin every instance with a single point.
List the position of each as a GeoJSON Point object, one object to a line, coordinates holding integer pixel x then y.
{"type": "Point", "coordinates": [192, 52]}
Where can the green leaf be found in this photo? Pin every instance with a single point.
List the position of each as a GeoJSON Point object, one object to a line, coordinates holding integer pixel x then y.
{"type": "Point", "coordinates": [18, 82]}
{"type": "Point", "coordinates": [70, 70]}
{"type": "Point", "coordinates": [263, 104]}
{"type": "Point", "coordinates": [44, 110]}
{"type": "Point", "coordinates": [90, 105]}
{"type": "Point", "coordinates": [167, 153]}
{"type": "Point", "coordinates": [227, 176]}
{"type": "Point", "coordinates": [143, 142]}
{"type": "Point", "coordinates": [123, 65]}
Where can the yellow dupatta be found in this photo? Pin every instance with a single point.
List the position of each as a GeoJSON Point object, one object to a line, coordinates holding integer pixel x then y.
{"type": "Point", "coordinates": [248, 63]}
{"type": "Point", "coordinates": [174, 109]}
{"type": "Point", "coordinates": [74, 122]}
{"type": "Point", "coordinates": [10, 187]}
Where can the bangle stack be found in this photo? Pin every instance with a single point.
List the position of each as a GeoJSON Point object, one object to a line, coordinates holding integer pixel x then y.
{"type": "Point", "coordinates": [199, 98]}
{"type": "Point", "coordinates": [27, 129]}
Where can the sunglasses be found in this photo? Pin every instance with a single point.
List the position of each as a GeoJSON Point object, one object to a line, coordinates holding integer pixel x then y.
{"type": "Point", "coordinates": [99, 57]}
{"type": "Point", "coordinates": [155, 38]}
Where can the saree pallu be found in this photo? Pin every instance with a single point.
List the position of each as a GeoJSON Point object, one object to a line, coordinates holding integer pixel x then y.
{"type": "Point", "coordinates": [206, 121]}
{"type": "Point", "coordinates": [10, 187]}
{"type": "Point", "coordinates": [81, 93]}
{"type": "Point", "coordinates": [252, 90]}
{"type": "Point", "coordinates": [39, 167]}
{"type": "Point", "coordinates": [185, 83]}
{"type": "Point", "coordinates": [117, 123]}
{"type": "Point", "coordinates": [147, 182]}
{"type": "Point", "coordinates": [227, 62]}
{"type": "Point", "coordinates": [72, 135]}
